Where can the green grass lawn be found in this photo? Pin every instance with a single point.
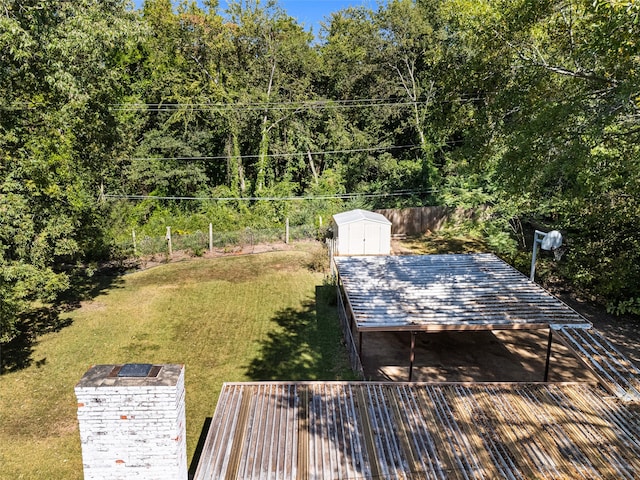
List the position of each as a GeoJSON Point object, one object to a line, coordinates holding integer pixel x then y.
{"type": "Point", "coordinates": [254, 317]}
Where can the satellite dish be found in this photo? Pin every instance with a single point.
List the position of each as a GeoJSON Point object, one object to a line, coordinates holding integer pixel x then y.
{"type": "Point", "coordinates": [551, 241]}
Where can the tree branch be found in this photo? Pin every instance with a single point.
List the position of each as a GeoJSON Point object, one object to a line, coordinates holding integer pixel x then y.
{"type": "Point", "coordinates": [578, 73]}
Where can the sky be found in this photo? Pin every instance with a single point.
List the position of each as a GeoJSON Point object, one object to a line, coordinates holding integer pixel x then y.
{"type": "Point", "coordinates": [309, 13]}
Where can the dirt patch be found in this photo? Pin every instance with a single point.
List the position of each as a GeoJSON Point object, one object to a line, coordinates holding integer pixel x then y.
{"type": "Point", "coordinates": [466, 356]}
{"type": "Point", "coordinates": [92, 305]}
{"type": "Point", "coordinates": [483, 356]}
{"type": "Point", "coordinates": [623, 331]}
{"type": "Point", "coordinates": [150, 261]}
{"type": "Point", "coordinates": [492, 356]}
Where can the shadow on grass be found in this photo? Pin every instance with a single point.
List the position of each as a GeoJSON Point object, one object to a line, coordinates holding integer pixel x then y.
{"type": "Point", "coordinates": [307, 345]}
{"type": "Point", "coordinates": [197, 454]}
{"type": "Point", "coordinates": [437, 244]}
{"type": "Point", "coordinates": [18, 352]}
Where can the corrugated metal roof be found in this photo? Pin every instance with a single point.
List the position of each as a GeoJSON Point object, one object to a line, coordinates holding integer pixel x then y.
{"type": "Point", "coordinates": [409, 431]}
{"type": "Point", "coordinates": [452, 291]}
{"type": "Point", "coordinates": [359, 215]}
{"type": "Point", "coordinates": [616, 372]}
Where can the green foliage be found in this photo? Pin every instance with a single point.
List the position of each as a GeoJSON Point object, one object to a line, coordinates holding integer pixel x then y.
{"type": "Point", "coordinates": [631, 305]}
{"type": "Point", "coordinates": [526, 110]}
{"type": "Point", "coordinates": [229, 319]}
{"type": "Point", "coordinates": [61, 64]}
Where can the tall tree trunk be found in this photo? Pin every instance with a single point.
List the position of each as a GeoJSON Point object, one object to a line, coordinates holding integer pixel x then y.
{"type": "Point", "coordinates": [313, 167]}
{"type": "Point", "coordinates": [410, 86]}
{"type": "Point", "coordinates": [263, 165]}
{"type": "Point", "coordinates": [235, 170]}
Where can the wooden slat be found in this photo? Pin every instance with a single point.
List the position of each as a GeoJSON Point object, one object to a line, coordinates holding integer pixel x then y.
{"type": "Point", "coordinates": [404, 435]}
{"type": "Point", "coordinates": [487, 467]}
{"type": "Point", "coordinates": [618, 432]}
{"type": "Point", "coordinates": [496, 448]}
{"type": "Point", "coordinates": [303, 434]}
{"type": "Point", "coordinates": [239, 436]}
{"type": "Point", "coordinates": [588, 440]}
{"type": "Point", "coordinates": [513, 437]}
{"type": "Point", "coordinates": [574, 448]}
{"type": "Point", "coordinates": [445, 446]}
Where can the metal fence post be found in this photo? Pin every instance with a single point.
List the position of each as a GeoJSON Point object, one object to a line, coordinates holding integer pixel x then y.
{"type": "Point", "coordinates": [135, 249]}
{"type": "Point", "coordinates": [210, 238]}
{"type": "Point", "coordinates": [286, 231]}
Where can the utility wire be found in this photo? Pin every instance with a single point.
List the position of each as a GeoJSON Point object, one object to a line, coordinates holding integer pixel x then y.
{"type": "Point", "coordinates": [272, 199]}
{"type": "Point", "coordinates": [288, 102]}
{"type": "Point", "coordinates": [291, 105]}
{"type": "Point", "coordinates": [331, 102]}
{"type": "Point", "coordinates": [262, 108]}
{"type": "Point", "coordinates": [226, 157]}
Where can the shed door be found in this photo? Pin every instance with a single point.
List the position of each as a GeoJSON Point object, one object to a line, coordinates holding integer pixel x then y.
{"type": "Point", "coordinates": [355, 239]}
{"type": "Point", "coordinates": [371, 239]}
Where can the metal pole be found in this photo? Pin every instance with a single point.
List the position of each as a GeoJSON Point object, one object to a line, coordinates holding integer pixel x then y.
{"type": "Point", "coordinates": [537, 238]}
{"type": "Point", "coordinates": [210, 238]}
{"type": "Point", "coordinates": [168, 237]}
{"type": "Point", "coordinates": [546, 365]}
{"type": "Point", "coordinates": [135, 249]}
{"type": "Point", "coordinates": [413, 354]}
{"type": "Point", "coordinates": [286, 232]}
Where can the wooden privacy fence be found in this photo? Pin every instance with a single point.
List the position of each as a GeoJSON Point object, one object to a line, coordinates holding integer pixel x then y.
{"type": "Point", "coordinates": [419, 220]}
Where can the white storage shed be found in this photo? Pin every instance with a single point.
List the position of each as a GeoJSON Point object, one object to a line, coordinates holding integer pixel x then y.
{"type": "Point", "coordinates": [359, 232]}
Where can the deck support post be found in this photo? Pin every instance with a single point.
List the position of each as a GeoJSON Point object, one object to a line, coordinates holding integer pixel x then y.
{"type": "Point", "coordinates": [360, 345]}
{"type": "Point", "coordinates": [546, 365]}
{"type": "Point", "coordinates": [412, 355]}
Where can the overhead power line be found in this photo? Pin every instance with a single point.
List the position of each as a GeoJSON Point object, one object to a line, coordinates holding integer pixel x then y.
{"type": "Point", "coordinates": [249, 104]}
{"type": "Point", "coordinates": [291, 105]}
{"type": "Point", "coordinates": [308, 105]}
{"type": "Point", "coordinates": [296, 154]}
{"type": "Point", "coordinates": [342, 196]}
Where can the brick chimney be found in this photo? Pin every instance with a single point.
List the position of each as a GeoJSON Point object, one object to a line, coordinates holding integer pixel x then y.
{"type": "Point", "coordinates": [132, 422]}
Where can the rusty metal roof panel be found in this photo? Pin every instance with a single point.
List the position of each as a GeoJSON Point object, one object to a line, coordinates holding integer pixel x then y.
{"type": "Point", "coordinates": [451, 291]}
{"type": "Point", "coordinates": [616, 372]}
{"type": "Point", "coordinates": [365, 430]}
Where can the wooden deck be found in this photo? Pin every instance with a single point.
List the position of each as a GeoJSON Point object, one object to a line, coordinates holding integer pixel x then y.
{"type": "Point", "coordinates": [446, 292]}
{"type": "Point", "coordinates": [364, 430]}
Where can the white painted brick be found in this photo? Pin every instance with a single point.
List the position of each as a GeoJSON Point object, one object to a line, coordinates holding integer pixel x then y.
{"type": "Point", "coordinates": [129, 430]}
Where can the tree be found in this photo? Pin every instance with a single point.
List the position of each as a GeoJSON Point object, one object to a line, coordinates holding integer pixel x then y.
{"type": "Point", "coordinates": [62, 65]}
{"type": "Point", "coordinates": [558, 123]}
{"type": "Point", "coordinates": [274, 67]}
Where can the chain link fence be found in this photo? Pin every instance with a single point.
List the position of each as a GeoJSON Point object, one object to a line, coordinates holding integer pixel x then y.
{"type": "Point", "coordinates": [200, 242]}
